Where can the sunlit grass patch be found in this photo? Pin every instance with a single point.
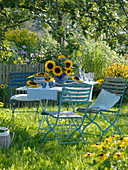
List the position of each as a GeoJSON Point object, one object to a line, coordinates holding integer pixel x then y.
{"type": "Point", "coordinates": [27, 152]}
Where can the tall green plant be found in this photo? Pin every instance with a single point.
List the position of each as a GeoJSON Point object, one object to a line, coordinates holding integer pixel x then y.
{"type": "Point", "coordinates": [96, 56]}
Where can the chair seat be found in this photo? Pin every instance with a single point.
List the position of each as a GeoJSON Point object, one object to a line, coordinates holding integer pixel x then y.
{"type": "Point", "coordinates": [63, 114]}
{"type": "Point", "coordinates": [89, 110]}
{"type": "Point", "coordinates": [22, 97]}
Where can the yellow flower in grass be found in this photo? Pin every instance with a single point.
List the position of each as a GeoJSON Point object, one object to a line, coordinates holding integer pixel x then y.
{"type": "Point", "coordinates": [123, 140]}
{"type": "Point", "coordinates": [32, 83]}
{"type": "Point", "coordinates": [1, 104]}
{"type": "Point", "coordinates": [68, 71]}
{"type": "Point", "coordinates": [103, 157]}
{"type": "Point", "coordinates": [68, 63]}
{"type": "Point", "coordinates": [50, 65]}
{"type": "Point", "coordinates": [118, 155]}
{"type": "Point", "coordinates": [75, 78]}
{"type": "Point", "coordinates": [100, 147]}
{"type": "Point", "coordinates": [2, 86]}
{"type": "Point", "coordinates": [109, 139]}
{"type": "Point", "coordinates": [89, 155]}
{"type": "Point", "coordinates": [57, 71]}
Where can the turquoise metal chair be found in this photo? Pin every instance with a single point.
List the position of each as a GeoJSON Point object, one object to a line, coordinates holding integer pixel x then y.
{"type": "Point", "coordinates": [104, 113]}
{"type": "Point", "coordinates": [65, 126]}
{"type": "Point", "coordinates": [18, 79]}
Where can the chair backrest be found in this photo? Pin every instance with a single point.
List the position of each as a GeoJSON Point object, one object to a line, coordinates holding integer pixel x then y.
{"type": "Point", "coordinates": [76, 92]}
{"type": "Point", "coordinates": [19, 79]}
{"type": "Point", "coordinates": [115, 85]}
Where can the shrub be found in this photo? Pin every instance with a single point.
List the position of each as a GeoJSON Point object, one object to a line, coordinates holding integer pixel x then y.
{"type": "Point", "coordinates": [21, 46]}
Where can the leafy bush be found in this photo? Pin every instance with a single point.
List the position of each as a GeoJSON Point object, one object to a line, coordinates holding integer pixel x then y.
{"type": "Point", "coordinates": [21, 46]}
{"type": "Point", "coordinates": [21, 37]}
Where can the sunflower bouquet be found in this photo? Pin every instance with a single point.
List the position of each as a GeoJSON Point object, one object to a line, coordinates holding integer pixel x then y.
{"type": "Point", "coordinates": [59, 67]}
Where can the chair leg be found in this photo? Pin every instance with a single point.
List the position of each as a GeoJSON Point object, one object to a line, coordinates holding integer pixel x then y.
{"type": "Point", "coordinates": [111, 124]}
{"type": "Point", "coordinates": [63, 130]}
{"type": "Point", "coordinates": [90, 122]}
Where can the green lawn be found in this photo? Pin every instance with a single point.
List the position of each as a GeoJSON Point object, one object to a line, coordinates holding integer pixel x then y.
{"type": "Point", "coordinates": [27, 152]}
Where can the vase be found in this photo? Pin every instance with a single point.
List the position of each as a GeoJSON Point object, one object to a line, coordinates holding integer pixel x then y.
{"type": "Point", "coordinates": [38, 80]}
{"type": "Point", "coordinates": [51, 84]}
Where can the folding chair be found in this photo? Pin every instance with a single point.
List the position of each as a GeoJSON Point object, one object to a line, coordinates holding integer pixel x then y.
{"type": "Point", "coordinates": [111, 95]}
{"type": "Point", "coordinates": [66, 125]}
{"type": "Point", "coordinates": [19, 79]}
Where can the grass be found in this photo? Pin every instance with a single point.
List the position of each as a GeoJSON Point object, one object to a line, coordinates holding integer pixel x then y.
{"type": "Point", "coordinates": [27, 152]}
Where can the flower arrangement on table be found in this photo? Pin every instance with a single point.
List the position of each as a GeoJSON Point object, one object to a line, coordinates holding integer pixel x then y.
{"type": "Point", "coordinates": [46, 78]}
{"type": "Point", "coordinates": [59, 68]}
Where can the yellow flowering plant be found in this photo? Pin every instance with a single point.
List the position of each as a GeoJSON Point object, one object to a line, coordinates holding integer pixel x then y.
{"type": "Point", "coordinates": [109, 152]}
{"type": "Point", "coordinates": [117, 70]}
{"type": "Point", "coordinates": [4, 94]}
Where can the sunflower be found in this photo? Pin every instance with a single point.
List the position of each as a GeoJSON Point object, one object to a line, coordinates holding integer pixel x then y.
{"type": "Point", "coordinates": [57, 71]}
{"type": "Point", "coordinates": [68, 71]}
{"type": "Point", "coordinates": [48, 78]}
{"type": "Point", "coordinates": [39, 74]}
{"type": "Point", "coordinates": [75, 78]}
{"type": "Point", "coordinates": [50, 65]}
{"type": "Point", "coordinates": [68, 63]}
{"type": "Point", "coordinates": [32, 84]}
{"type": "Point", "coordinates": [2, 86]}
{"type": "Point", "coordinates": [61, 56]}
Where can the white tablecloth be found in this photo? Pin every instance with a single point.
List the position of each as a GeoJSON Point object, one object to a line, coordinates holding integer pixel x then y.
{"type": "Point", "coordinates": [43, 93]}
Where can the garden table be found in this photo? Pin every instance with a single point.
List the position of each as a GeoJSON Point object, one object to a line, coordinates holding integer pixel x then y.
{"type": "Point", "coordinates": [49, 93]}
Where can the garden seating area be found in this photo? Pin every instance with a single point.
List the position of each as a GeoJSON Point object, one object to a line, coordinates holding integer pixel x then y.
{"type": "Point", "coordinates": [63, 85]}
{"type": "Point", "coordinates": [28, 148]}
